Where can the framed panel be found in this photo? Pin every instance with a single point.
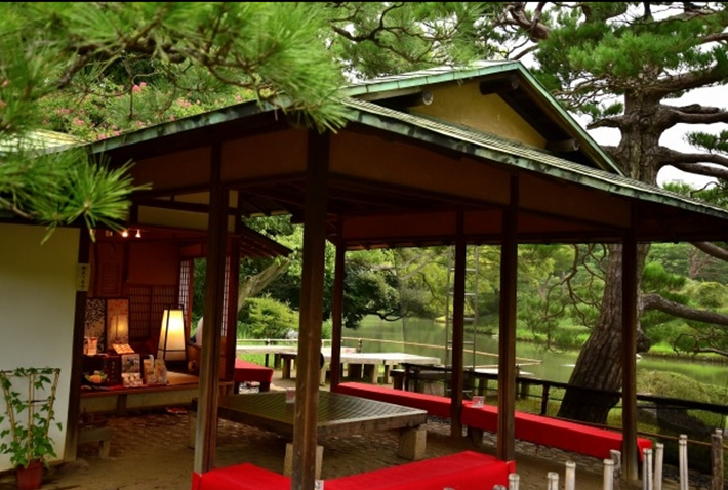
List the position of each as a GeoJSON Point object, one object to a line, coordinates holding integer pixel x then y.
{"type": "Point", "coordinates": [117, 320]}
{"type": "Point", "coordinates": [95, 322]}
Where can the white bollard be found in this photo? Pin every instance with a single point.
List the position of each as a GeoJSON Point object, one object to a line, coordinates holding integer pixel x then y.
{"type": "Point", "coordinates": [608, 474]}
{"type": "Point", "coordinates": [513, 481]}
{"type": "Point", "coordinates": [683, 446]}
{"type": "Point", "coordinates": [553, 481]}
{"type": "Point", "coordinates": [657, 481]}
{"type": "Point", "coordinates": [617, 470]}
{"type": "Point", "coordinates": [647, 469]}
{"type": "Point", "coordinates": [569, 475]}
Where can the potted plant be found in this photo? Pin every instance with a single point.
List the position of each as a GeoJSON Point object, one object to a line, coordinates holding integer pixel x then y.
{"type": "Point", "coordinates": [29, 395]}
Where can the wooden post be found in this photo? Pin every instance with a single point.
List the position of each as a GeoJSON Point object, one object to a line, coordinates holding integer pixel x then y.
{"type": "Point", "coordinates": [616, 468]}
{"type": "Point", "coordinates": [505, 436]}
{"type": "Point", "coordinates": [659, 450]}
{"type": "Point", "coordinates": [458, 309]}
{"type": "Point", "coordinates": [570, 475]}
{"type": "Point", "coordinates": [647, 469]}
{"type": "Point", "coordinates": [683, 456]}
{"type": "Point", "coordinates": [513, 481]}
{"type": "Point", "coordinates": [545, 388]}
{"type": "Point", "coordinates": [553, 478]}
{"type": "Point", "coordinates": [608, 474]}
{"type": "Point", "coordinates": [717, 451]}
{"type": "Point", "coordinates": [630, 284]}
{"type": "Point", "coordinates": [206, 430]}
{"type": "Point", "coordinates": [310, 316]}
{"type": "Point", "coordinates": [336, 315]}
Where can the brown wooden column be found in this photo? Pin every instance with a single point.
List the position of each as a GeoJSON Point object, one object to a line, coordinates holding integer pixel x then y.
{"type": "Point", "coordinates": [79, 322]}
{"type": "Point", "coordinates": [458, 311]}
{"type": "Point", "coordinates": [630, 455]}
{"type": "Point", "coordinates": [206, 428]}
{"type": "Point", "coordinates": [505, 439]}
{"type": "Point", "coordinates": [231, 336]}
{"type": "Point", "coordinates": [336, 312]}
{"type": "Point", "coordinates": [310, 315]}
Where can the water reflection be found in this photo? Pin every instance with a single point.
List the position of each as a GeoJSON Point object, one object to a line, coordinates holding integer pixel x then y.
{"type": "Point", "coordinates": [415, 336]}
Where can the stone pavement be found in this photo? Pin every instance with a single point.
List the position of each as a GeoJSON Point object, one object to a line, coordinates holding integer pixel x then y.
{"type": "Point", "coordinates": [149, 451]}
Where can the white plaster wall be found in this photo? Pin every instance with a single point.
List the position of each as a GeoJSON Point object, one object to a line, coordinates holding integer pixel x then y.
{"type": "Point", "coordinates": [37, 304]}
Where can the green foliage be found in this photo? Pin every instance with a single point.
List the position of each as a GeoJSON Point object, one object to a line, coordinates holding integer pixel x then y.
{"type": "Point", "coordinates": [710, 295]}
{"type": "Point", "coordinates": [267, 318]}
{"type": "Point", "coordinates": [29, 395]}
{"type": "Point", "coordinates": [655, 278]}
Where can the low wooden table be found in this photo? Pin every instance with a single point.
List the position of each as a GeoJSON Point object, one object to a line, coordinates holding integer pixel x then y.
{"type": "Point", "coordinates": [365, 365]}
{"type": "Point", "coordinates": [338, 415]}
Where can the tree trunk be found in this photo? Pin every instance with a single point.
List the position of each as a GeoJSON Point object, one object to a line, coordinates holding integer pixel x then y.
{"type": "Point", "coordinates": [599, 365]}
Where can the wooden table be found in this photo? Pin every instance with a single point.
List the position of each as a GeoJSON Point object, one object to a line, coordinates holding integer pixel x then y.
{"type": "Point", "coordinates": [365, 364]}
{"type": "Point", "coordinates": [338, 415]}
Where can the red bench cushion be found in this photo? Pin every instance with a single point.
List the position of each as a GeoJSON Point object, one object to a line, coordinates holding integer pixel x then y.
{"type": "Point", "coordinates": [248, 371]}
{"type": "Point", "coordinates": [434, 404]}
{"type": "Point", "coordinates": [550, 431]}
{"type": "Point", "coordinates": [244, 476]}
{"type": "Point", "coordinates": [467, 470]}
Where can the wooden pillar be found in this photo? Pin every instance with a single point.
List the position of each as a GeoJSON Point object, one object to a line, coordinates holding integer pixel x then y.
{"type": "Point", "coordinates": [79, 322]}
{"type": "Point", "coordinates": [231, 336]}
{"type": "Point", "coordinates": [310, 315]}
{"type": "Point", "coordinates": [630, 461]}
{"type": "Point", "coordinates": [458, 310]}
{"type": "Point", "coordinates": [206, 428]}
{"type": "Point", "coordinates": [336, 313]}
{"type": "Point", "coordinates": [505, 440]}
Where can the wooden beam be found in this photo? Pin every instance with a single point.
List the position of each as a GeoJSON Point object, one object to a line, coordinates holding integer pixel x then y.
{"type": "Point", "coordinates": [79, 322]}
{"type": "Point", "coordinates": [562, 146]}
{"type": "Point", "coordinates": [500, 85]}
{"type": "Point", "coordinates": [206, 429]}
{"type": "Point", "coordinates": [505, 439]}
{"type": "Point", "coordinates": [308, 372]}
{"type": "Point", "coordinates": [630, 283]}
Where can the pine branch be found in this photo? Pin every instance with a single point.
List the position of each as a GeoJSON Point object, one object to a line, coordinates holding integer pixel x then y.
{"type": "Point", "coordinates": [655, 302]}
{"type": "Point", "coordinates": [695, 162]}
{"type": "Point", "coordinates": [696, 114]}
{"type": "Point", "coordinates": [712, 249]}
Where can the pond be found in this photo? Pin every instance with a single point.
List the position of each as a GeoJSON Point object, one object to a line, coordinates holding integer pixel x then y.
{"type": "Point", "coordinates": [427, 338]}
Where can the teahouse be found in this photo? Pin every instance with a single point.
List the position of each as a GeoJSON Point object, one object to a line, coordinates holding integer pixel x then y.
{"type": "Point", "coordinates": [478, 155]}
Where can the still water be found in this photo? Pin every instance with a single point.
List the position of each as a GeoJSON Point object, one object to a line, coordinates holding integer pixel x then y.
{"type": "Point", "coordinates": [427, 338]}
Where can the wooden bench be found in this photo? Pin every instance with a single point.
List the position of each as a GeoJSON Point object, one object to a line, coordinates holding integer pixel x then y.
{"type": "Point", "coordinates": [244, 476]}
{"type": "Point", "coordinates": [549, 431]}
{"type": "Point", "coordinates": [247, 371]}
{"type": "Point", "coordinates": [100, 435]}
{"type": "Point", "coordinates": [466, 470]}
{"type": "Point", "coordinates": [538, 429]}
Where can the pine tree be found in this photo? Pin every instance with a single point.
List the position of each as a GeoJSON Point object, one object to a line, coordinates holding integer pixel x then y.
{"type": "Point", "coordinates": [621, 64]}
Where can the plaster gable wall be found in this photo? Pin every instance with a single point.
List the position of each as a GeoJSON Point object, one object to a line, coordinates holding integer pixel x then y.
{"type": "Point", "coordinates": [37, 302]}
{"type": "Point", "coordinates": [464, 104]}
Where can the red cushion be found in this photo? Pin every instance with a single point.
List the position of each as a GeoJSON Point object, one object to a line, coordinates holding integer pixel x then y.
{"type": "Point", "coordinates": [485, 417]}
{"type": "Point", "coordinates": [434, 404]}
{"type": "Point", "coordinates": [467, 470]}
{"type": "Point", "coordinates": [248, 371]}
{"type": "Point", "coordinates": [244, 476]}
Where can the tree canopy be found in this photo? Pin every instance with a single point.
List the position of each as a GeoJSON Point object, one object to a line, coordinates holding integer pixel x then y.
{"type": "Point", "coordinates": [100, 68]}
